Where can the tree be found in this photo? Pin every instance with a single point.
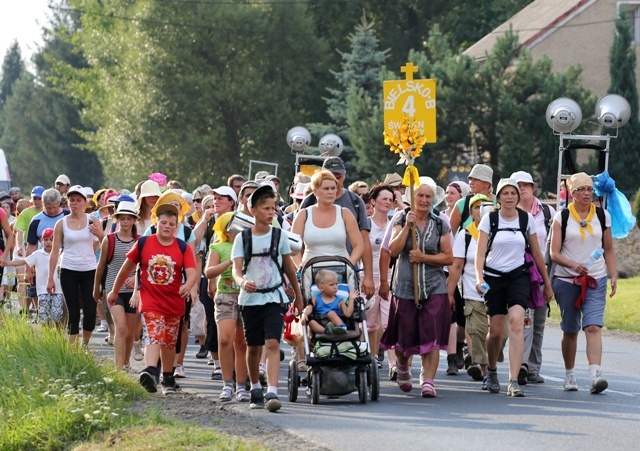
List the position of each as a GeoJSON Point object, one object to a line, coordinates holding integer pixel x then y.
{"type": "Point", "coordinates": [195, 96]}
{"type": "Point", "coordinates": [12, 69]}
{"type": "Point", "coordinates": [624, 162]}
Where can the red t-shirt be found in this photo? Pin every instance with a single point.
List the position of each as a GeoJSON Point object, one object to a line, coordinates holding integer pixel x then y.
{"type": "Point", "coordinates": [161, 275]}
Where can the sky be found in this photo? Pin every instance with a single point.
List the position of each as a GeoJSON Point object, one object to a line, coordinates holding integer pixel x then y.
{"type": "Point", "coordinates": [22, 20]}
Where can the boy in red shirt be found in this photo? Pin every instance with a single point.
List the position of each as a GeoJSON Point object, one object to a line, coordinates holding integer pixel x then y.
{"type": "Point", "coordinates": [162, 259]}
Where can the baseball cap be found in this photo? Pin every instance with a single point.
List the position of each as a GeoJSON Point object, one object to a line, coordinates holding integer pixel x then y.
{"type": "Point", "coordinates": [15, 189]}
{"type": "Point", "coordinates": [260, 192]}
{"type": "Point", "coordinates": [76, 189]}
{"type": "Point", "coordinates": [226, 191]}
{"type": "Point", "coordinates": [37, 191]}
{"type": "Point", "coordinates": [261, 175]}
{"type": "Point", "coordinates": [163, 208]}
{"type": "Point", "coordinates": [4, 195]}
{"type": "Point", "coordinates": [248, 184]}
{"type": "Point", "coordinates": [62, 178]}
{"type": "Point", "coordinates": [334, 165]}
{"type": "Point", "coordinates": [47, 233]}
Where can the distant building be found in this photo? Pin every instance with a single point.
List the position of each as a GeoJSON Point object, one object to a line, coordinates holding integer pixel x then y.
{"type": "Point", "coordinates": [570, 33]}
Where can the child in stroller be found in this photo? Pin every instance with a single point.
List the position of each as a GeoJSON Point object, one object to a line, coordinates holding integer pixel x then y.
{"type": "Point", "coordinates": [326, 310]}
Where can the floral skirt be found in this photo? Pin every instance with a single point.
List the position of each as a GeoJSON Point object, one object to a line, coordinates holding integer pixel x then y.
{"type": "Point", "coordinates": [412, 331]}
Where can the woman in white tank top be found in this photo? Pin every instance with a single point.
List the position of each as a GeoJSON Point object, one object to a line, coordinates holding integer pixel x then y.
{"type": "Point", "coordinates": [325, 227]}
{"type": "Point", "coordinates": [78, 236]}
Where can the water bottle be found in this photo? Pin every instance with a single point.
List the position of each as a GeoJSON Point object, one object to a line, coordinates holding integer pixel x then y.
{"type": "Point", "coordinates": [484, 287]}
{"type": "Point", "coordinates": [595, 255]}
{"type": "Point", "coordinates": [527, 318]}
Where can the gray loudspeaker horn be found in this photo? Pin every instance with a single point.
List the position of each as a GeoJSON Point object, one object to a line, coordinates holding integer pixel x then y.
{"type": "Point", "coordinates": [613, 111]}
{"type": "Point", "coordinates": [564, 115]}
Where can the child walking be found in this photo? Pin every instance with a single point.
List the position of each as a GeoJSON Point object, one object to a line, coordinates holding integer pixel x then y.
{"type": "Point", "coordinates": [50, 306]}
{"type": "Point", "coordinates": [326, 311]}
{"type": "Point", "coordinates": [263, 301]}
{"type": "Point", "coordinates": [162, 259]}
{"type": "Point", "coordinates": [113, 254]}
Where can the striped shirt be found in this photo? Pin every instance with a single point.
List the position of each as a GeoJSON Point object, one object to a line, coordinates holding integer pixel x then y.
{"type": "Point", "coordinates": [119, 256]}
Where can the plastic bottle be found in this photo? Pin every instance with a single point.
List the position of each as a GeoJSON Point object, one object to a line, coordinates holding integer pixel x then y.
{"type": "Point", "coordinates": [595, 255]}
{"type": "Point", "coordinates": [527, 319]}
{"type": "Point", "coordinates": [484, 287]}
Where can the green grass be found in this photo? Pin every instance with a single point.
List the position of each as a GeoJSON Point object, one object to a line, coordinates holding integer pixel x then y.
{"type": "Point", "coordinates": [622, 311]}
{"type": "Point", "coordinates": [56, 396]}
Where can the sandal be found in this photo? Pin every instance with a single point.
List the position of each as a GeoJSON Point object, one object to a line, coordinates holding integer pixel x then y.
{"type": "Point", "coordinates": [404, 379]}
{"type": "Point", "coordinates": [428, 390]}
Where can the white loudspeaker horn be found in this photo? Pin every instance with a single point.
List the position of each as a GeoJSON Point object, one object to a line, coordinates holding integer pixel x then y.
{"type": "Point", "coordinates": [564, 115]}
{"type": "Point", "coordinates": [613, 111]}
{"type": "Point", "coordinates": [330, 145]}
{"type": "Point", "coordinates": [298, 138]}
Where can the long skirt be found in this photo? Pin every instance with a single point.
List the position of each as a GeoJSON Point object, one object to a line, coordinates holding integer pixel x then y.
{"type": "Point", "coordinates": [412, 331]}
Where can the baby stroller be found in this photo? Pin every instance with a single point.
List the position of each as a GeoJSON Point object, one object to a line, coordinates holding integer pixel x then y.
{"type": "Point", "coordinates": [337, 364]}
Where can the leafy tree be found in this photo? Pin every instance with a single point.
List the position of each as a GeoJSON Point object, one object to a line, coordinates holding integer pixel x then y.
{"type": "Point", "coordinates": [195, 96]}
{"type": "Point", "coordinates": [624, 162]}
{"type": "Point", "coordinates": [12, 68]}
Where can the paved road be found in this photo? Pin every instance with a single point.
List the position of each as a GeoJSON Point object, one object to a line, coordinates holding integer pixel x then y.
{"type": "Point", "coordinates": [462, 415]}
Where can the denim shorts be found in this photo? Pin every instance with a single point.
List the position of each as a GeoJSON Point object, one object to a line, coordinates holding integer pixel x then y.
{"type": "Point", "coordinates": [591, 313]}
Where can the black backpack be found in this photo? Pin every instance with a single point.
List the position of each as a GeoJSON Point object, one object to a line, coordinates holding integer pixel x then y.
{"type": "Point", "coordinates": [247, 243]}
{"type": "Point", "coordinates": [494, 218]}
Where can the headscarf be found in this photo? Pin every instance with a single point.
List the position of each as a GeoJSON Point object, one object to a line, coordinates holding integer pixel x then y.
{"type": "Point", "coordinates": [165, 198]}
{"type": "Point", "coordinates": [220, 227]}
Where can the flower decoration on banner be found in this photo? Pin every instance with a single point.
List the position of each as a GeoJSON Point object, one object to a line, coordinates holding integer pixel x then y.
{"type": "Point", "coordinates": [408, 144]}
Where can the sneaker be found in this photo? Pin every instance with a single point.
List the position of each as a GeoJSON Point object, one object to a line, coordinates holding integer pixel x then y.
{"type": "Point", "coordinates": [217, 374]}
{"type": "Point", "coordinates": [148, 381]}
{"type": "Point", "coordinates": [137, 351]}
{"type": "Point", "coordinates": [202, 353]}
{"type": "Point", "coordinates": [281, 355]}
{"type": "Point", "coordinates": [380, 355]}
{"type": "Point", "coordinates": [211, 362]}
{"type": "Point", "coordinates": [485, 384]}
{"type": "Point", "coordinates": [179, 372]}
{"type": "Point", "coordinates": [404, 380]}
{"type": "Point", "coordinates": [393, 372]}
{"type": "Point", "coordinates": [523, 374]}
{"type": "Point", "coordinates": [257, 399]}
{"type": "Point", "coordinates": [514, 390]}
{"type": "Point", "coordinates": [168, 388]}
{"type": "Point", "coordinates": [108, 340]}
{"type": "Point", "coordinates": [468, 361]}
{"type": "Point", "coordinates": [102, 328]}
{"type": "Point", "coordinates": [492, 381]}
{"type": "Point", "coordinates": [428, 390]}
{"type": "Point", "coordinates": [243, 395]}
{"type": "Point", "coordinates": [226, 395]}
{"type": "Point", "coordinates": [475, 372]}
{"type": "Point", "coordinates": [452, 362]}
{"type": "Point", "coordinates": [598, 384]}
{"type": "Point", "coordinates": [126, 368]}
{"type": "Point", "coordinates": [263, 374]}
{"type": "Point", "coordinates": [570, 383]}
{"type": "Point", "coordinates": [273, 403]}
{"type": "Point", "coordinates": [379, 363]}
{"type": "Point", "coordinates": [535, 378]}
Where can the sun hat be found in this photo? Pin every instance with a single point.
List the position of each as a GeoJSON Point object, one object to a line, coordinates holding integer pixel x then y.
{"type": "Point", "coordinates": [99, 193]}
{"type": "Point", "coordinates": [160, 179]}
{"type": "Point", "coordinates": [580, 179]}
{"type": "Point", "coordinates": [334, 165]}
{"type": "Point", "coordinates": [271, 178]}
{"type": "Point", "coordinates": [261, 175]}
{"type": "Point", "coordinates": [77, 189]}
{"type": "Point", "coordinates": [478, 197]}
{"type": "Point", "coordinates": [503, 183]}
{"type": "Point", "coordinates": [248, 184]}
{"type": "Point", "coordinates": [165, 198]}
{"type": "Point", "coordinates": [438, 192]}
{"type": "Point", "coordinates": [108, 199]}
{"type": "Point", "coordinates": [220, 227]}
{"type": "Point", "coordinates": [482, 172]}
{"type": "Point", "coordinates": [524, 177]}
{"type": "Point", "coordinates": [392, 180]}
{"type": "Point", "coordinates": [126, 208]}
{"type": "Point", "coordinates": [37, 191]}
{"type": "Point", "coordinates": [122, 198]}
{"type": "Point", "coordinates": [462, 187]}
{"type": "Point", "coordinates": [226, 191]}
{"type": "Point", "coordinates": [149, 188]}
{"type": "Point", "coordinates": [62, 178]}
{"type": "Point", "coordinates": [298, 193]}
{"type": "Point", "coordinates": [187, 196]}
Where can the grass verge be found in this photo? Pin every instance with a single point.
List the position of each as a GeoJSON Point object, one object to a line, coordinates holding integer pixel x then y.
{"type": "Point", "coordinates": [57, 396]}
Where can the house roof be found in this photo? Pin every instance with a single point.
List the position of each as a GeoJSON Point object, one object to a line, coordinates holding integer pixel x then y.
{"type": "Point", "coordinates": [532, 23]}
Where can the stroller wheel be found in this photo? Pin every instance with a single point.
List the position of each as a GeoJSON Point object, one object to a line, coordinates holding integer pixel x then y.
{"type": "Point", "coordinates": [293, 380]}
{"type": "Point", "coordinates": [315, 387]}
{"type": "Point", "coordinates": [374, 382]}
{"type": "Point", "coordinates": [362, 385]}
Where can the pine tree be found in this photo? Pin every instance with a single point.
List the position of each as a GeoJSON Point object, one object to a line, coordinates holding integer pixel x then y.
{"type": "Point", "coordinates": [12, 68]}
{"type": "Point", "coordinates": [624, 160]}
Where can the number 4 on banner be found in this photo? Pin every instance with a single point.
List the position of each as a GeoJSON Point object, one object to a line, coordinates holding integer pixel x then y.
{"type": "Point", "coordinates": [409, 107]}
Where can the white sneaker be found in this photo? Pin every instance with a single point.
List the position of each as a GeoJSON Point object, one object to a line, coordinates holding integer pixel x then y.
{"type": "Point", "coordinates": [570, 383]}
{"type": "Point", "coordinates": [263, 374]}
{"type": "Point", "coordinates": [179, 372]}
{"type": "Point", "coordinates": [137, 351]}
{"type": "Point", "coordinates": [102, 328]}
{"type": "Point", "coordinates": [598, 384]}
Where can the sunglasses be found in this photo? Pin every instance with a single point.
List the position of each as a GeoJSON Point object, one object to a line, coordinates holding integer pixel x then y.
{"type": "Point", "coordinates": [199, 201]}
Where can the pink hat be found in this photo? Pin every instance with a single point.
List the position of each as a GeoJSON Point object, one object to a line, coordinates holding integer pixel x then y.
{"type": "Point", "coordinates": [160, 179]}
{"type": "Point", "coordinates": [47, 233]}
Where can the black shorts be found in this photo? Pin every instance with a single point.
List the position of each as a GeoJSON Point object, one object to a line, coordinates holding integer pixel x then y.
{"type": "Point", "coordinates": [123, 301]}
{"type": "Point", "coordinates": [262, 322]}
{"type": "Point", "coordinates": [506, 291]}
